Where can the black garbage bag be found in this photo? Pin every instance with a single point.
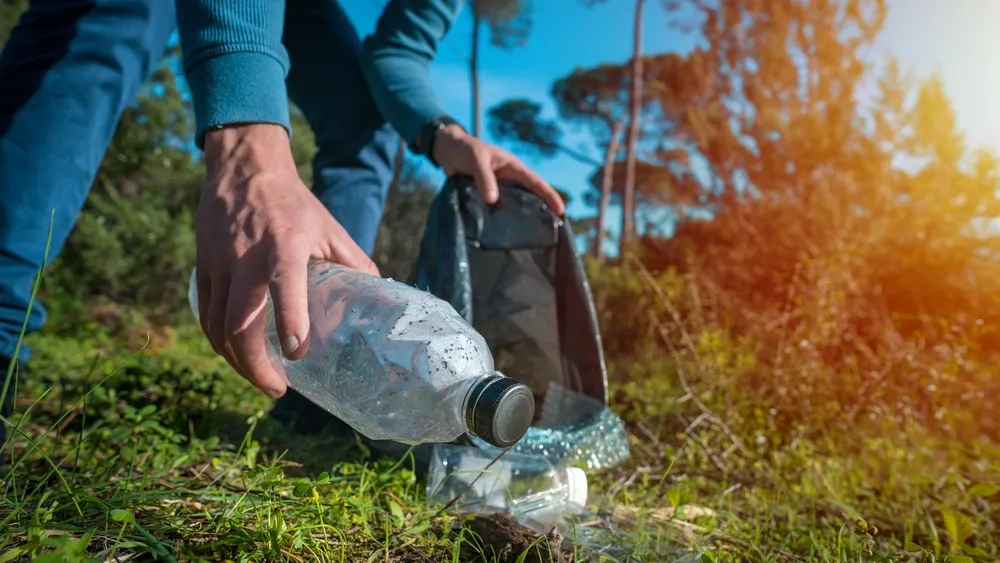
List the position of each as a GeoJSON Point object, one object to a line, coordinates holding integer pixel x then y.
{"type": "Point", "coordinates": [512, 270]}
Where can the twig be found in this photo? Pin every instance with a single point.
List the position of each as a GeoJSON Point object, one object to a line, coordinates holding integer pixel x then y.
{"type": "Point", "coordinates": [732, 448]}
{"type": "Point", "coordinates": [611, 492]}
{"type": "Point", "coordinates": [631, 480]}
{"type": "Point", "coordinates": [623, 483]}
{"type": "Point", "coordinates": [452, 502]}
{"type": "Point", "coordinates": [694, 423]}
{"type": "Point", "coordinates": [645, 449]}
{"type": "Point", "coordinates": [710, 453]}
{"type": "Point", "coordinates": [640, 426]}
{"type": "Point", "coordinates": [72, 416]}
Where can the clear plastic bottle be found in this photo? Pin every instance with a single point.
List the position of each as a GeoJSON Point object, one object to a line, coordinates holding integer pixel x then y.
{"type": "Point", "coordinates": [518, 484]}
{"type": "Point", "coordinates": [397, 363]}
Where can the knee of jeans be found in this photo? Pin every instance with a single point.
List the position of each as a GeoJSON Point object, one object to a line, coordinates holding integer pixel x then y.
{"type": "Point", "coordinates": [104, 43]}
{"type": "Point", "coordinates": [137, 24]}
{"type": "Point", "coordinates": [142, 27]}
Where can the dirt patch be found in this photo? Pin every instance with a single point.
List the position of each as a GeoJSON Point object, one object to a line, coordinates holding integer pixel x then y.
{"type": "Point", "coordinates": [502, 538]}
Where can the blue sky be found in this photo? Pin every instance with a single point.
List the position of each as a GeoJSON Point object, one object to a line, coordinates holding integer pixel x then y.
{"type": "Point", "coordinates": [566, 35]}
{"type": "Point", "coordinates": [951, 38]}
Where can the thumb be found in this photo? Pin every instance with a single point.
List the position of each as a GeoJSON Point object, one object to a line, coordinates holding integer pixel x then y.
{"type": "Point", "coordinates": [486, 180]}
{"type": "Point", "coordinates": [343, 250]}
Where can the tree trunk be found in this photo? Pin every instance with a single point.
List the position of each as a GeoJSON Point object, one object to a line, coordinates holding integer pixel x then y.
{"type": "Point", "coordinates": [384, 242]}
{"type": "Point", "coordinates": [397, 169]}
{"type": "Point", "coordinates": [632, 139]}
{"type": "Point", "coordinates": [474, 69]}
{"type": "Point", "coordinates": [607, 183]}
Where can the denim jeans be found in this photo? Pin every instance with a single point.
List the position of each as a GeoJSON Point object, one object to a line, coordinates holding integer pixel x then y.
{"type": "Point", "coordinates": [71, 67]}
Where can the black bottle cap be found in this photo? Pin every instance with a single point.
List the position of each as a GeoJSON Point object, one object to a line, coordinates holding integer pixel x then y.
{"type": "Point", "coordinates": [500, 410]}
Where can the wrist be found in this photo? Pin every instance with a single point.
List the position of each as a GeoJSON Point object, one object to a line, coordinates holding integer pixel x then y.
{"type": "Point", "coordinates": [247, 147]}
{"type": "Point", "coordinates": [442, 139]}
{"type": "Point", "coordinates": [424, 143]}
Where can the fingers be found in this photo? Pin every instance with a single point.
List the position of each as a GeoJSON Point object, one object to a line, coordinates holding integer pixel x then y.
{"type": "Point", "coordinates": [289, 290]}
{"type": "Point", "coordinates": [245, 323]}
{"type": "Point", "coordinates": [214, 318]}
{"type": "Point", "coordinates": [487, 159]}
{"type": "Point", "coordinates": [343, 250]}
{"type": "Point", "coordinates": [486, 180]}
{"type": "Point", "coordinates": [517, 171]}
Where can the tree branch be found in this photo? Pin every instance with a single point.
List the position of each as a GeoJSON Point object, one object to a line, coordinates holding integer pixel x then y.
{"type": "Point", "coordinates": [578, 156]}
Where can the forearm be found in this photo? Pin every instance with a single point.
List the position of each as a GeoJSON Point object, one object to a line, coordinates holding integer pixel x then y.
{"type": "Point", "coordinates": [396, 59]}
{"type": "Point", "coordinates": [234, 62]}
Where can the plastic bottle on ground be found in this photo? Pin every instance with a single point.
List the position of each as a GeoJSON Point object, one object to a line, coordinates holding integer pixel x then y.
{"type": "Point", "coordinates": [518, 484]}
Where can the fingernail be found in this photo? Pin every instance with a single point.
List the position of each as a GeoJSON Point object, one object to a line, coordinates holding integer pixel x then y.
{"type": "Point", "coordinates": [273, 393]}
{"type": "Point", "coordinates": [291, 344]}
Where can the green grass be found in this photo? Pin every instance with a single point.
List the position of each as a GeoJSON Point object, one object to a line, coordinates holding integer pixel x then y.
{"type": "Point", "coordinates": [161, 450]}
{"type": "Point", "coordinates": [134, 442]}
{"type": "Point", "coordinates": [166, 452]}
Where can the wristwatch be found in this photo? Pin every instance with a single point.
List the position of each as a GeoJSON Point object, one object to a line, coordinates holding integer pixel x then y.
{"type": "Point", "coordinates": [424, 143]}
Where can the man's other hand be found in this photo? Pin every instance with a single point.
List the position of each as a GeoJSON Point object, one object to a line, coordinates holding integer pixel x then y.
{"type": "Point", "coordinates": [460, 153]}
{"type": "Point", "coordinates": [257, 227]}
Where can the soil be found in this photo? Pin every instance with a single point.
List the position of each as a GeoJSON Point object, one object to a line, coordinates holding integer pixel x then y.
{"type": "Point", "coordinates": [501, 535]}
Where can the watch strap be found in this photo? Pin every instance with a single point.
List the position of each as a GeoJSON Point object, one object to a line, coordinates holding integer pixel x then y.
{"type": "Point", "coordinates": [428, 134]}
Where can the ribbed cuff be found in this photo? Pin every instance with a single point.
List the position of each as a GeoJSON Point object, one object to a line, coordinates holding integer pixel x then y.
{"type": "Point", "coordinates": [238, 88]}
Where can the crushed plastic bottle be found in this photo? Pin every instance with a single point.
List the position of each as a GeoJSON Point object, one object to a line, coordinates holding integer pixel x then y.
{"type": "Point", "coordinates": [397, 363]}
{"type": "Point", "coordinates": [543, 497]}
{"type": "Point", "coordinates": [573, 429]}
{"type": "Point", "coordinates": [517, 484]}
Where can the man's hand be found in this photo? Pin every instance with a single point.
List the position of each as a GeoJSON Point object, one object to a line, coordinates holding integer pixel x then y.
{"type": "Point", "coordinates": [257, 227]}
{"type": "Point", "coordinates": [460, 153]}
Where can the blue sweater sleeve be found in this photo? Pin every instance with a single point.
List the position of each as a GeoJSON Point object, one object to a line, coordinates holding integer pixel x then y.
{"type": "Point", "coordinates": [395, 60]}
{"type": "Point", "coordinates": [234, 61]}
